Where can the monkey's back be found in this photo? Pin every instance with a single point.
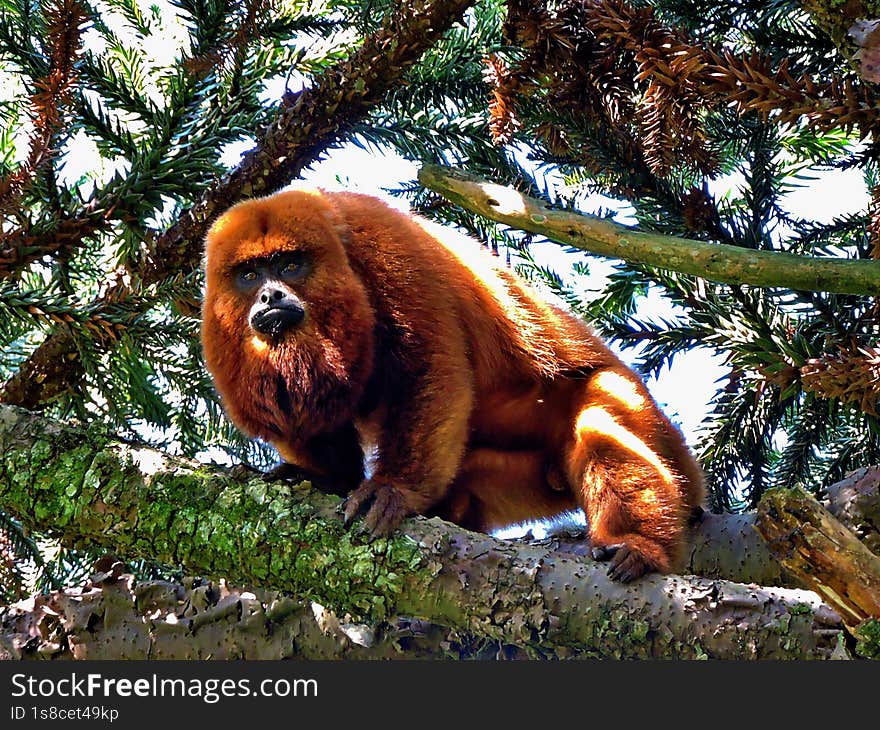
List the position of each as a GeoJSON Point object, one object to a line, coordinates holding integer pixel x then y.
{"type": "Point", "coordinates": [424, 272]}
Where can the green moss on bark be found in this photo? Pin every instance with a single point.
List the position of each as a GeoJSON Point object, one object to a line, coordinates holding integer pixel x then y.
{"type": "Point", "coordinates": [868, 635]}
{"type": "Point", "coordinates": [837, 17]}
{"type": "Point", "coordinates": [92, 492]}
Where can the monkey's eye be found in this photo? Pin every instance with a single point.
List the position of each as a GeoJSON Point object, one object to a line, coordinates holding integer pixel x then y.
{"type": "Point", "coordinates": [248, 276]}
{"type": "Point", "coordinates": [293, 267]}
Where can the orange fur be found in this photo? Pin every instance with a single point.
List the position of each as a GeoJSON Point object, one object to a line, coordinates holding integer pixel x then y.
{"type": "Point", "coordinates": [486, 405]}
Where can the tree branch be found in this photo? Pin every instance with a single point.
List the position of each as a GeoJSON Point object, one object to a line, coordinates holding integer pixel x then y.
{"type": "Point", "coordinates": [715, 261]}
{"type": "Point", "coordinates": [822, 552]}
{"type": "Point", "coordinates": [90, 490]}
{"type": "Point", "coordinates": [827, 557]}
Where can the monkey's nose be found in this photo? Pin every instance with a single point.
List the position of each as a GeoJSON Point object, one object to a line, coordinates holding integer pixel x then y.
{"type": "Point", "coordinates": [271, 296]}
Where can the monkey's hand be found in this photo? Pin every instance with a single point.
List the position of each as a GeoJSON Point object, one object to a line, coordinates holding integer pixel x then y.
{"type": "Point", "coordinates": [288, 472]}
{"type": "Point", "coordinates": [632, 559]}
{"type": "Point", "coordinates": [386, 507]}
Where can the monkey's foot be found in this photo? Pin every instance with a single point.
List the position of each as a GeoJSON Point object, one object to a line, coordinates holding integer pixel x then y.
{"type": "Point", "coordinates": [629, 562]}
{"type": "Point", "coordinates": [288, 472]}
{"type": "Point", "coordinates": [387, 507]}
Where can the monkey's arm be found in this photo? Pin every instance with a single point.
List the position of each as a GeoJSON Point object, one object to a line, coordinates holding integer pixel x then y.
{"type": "Point", "coordinates": [637, 481]}
{"type": "Point", "coordinates": [422, 441]}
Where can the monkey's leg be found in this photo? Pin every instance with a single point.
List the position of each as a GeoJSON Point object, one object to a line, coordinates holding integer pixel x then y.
{"type": "Point", "coordinates": [333, 462]}
{"type": "Point", "coordinates": [496, 488]}
{"type": "Point", "coordinates": [631, 494]}
{"type": "Point", "coordinates": [421, 444]}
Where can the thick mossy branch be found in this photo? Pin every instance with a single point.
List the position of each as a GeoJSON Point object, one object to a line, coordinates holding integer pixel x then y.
{"type": "Point", "coordinates": [715, 261]}
{"type": "Point", "coordinates": [92, 490]}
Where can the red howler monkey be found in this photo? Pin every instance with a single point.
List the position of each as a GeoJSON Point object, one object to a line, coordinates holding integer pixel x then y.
{"type": "Point", "coordinates": [333, 323]}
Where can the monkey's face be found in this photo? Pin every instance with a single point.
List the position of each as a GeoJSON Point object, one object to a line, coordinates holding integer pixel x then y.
{"type": "Point", "coordinates": [287, 327]}
{"type": "Point", "coordinates": [269, 283]}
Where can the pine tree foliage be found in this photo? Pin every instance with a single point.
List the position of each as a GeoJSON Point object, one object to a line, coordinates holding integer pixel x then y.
{"type": "Point", "coordinates": [120, 118]}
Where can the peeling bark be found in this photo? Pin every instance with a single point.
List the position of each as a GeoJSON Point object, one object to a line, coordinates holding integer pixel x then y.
{"type": "Point", "coordinates": [91, 490]}
{"type": "Point", "coordinates": [851, 24]}
{"type": "Point", "coordinates": [855, 501]}
{"type": "Point", "coordinates": [822, 552]}
{"type": "Point", "coordinates": [827, 556]}
{"type": "Point", "coordinates": [198, 619]}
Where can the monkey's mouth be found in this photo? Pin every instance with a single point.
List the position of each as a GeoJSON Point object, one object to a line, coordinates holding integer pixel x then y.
{"type": "Point", "coordinates": [275, 321]}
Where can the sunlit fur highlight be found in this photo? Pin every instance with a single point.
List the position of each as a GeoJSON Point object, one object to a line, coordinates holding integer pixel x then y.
{"type": "Point", "coordinates": [483, 403]}
{"type": "Point", "coordinates": [620, 388]}
{"type": "Point", "coordinates": [596, 421]}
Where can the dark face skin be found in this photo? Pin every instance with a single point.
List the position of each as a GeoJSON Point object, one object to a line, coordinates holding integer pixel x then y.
{"type": "Point", "coordinates": [269, 282]}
